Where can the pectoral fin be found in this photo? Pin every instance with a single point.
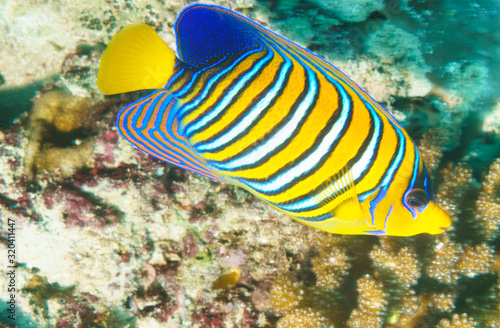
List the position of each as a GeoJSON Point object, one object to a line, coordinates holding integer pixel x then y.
{"type": "Point", "coordinates": [340, 196]}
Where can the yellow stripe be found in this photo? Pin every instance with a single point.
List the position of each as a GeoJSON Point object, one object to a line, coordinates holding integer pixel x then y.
{"type": "Point", "coordinates": [245, 100]}
{"type": "Point", "coordinates": [326, 106]}
{"type": "Point", "coordinates": [220, 88]}
{"type": "Point", "coordinates": [346, 149]}
{"type": "Point", "coordinates": [196, 90]}
{"type": "Point", "coordinates": [185, 78]}
{"type": "Point", "coordinates": [273, 117]}
{"type": "Point", "coordinates": [387, 148]}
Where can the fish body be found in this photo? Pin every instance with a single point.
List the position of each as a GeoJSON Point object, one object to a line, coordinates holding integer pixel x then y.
{"type": "Point", "coordinates": [246, 106]}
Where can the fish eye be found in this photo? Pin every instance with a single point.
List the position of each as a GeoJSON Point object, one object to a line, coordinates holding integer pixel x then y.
{"type": "Point", "coordinates": [417, 198]}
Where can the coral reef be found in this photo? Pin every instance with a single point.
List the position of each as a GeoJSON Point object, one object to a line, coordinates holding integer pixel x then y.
{"type": "Point", "coordinates": [109, 237]}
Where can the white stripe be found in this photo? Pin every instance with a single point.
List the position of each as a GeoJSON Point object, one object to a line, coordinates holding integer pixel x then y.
{"type": "Point", "coordinates": [362, 164]}
{"type": "Point", "coordinates": [281, 136]}
{"type": "Point", "coordinates": [308, 163]}
{"type": "Point", "coordinates": [187, 106]}
{"type": "Point", "coordinates": [357, 169]}
{"type": "Point", "coordinates": [249, 119]}
{"type": "Point", "coordinates": [192, 128]}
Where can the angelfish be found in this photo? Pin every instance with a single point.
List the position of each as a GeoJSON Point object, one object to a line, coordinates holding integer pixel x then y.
{"type": "Point", "coordinates": [244, 105]}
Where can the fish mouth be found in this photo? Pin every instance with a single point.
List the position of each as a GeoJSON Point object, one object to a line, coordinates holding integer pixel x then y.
{"type": "Point", "coordinates": [443, 228]}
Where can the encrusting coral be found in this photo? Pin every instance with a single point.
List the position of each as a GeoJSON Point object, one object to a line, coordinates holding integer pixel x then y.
{"type": "Point", "coordinates": [58, 118]}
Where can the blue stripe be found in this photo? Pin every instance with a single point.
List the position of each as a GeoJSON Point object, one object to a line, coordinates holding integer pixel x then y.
{"type": "Point", "coordinates": [252, 115]}
{"type": "Point", "coordinates": [429, 193]}
{"type": "Point", "coordinates": [194, 126]}
{"type": "Point", "coordinates": [180, 93]}
{"type": "Point", "coordinates": [196, 101]}
{"type": "Point", "coordinates": [316, 218]}
{"type": "Point", "coordinates": [358, 168]}
{"type": "Point", "coordinates": [373, 203]}
{"type": "Point", "coordinates": [387, 217]}
{"type": "Point", "coordinates": [397, 127]}
{"type": "Point", "coordinates": [136, 111]}
{"type": "Point", "coordinates": [412, 184]}
{"type": "Point", "coordinates": [389, 173]}
{"type": "Point", "coordinates": [311, 161]}
{"type": "Point", "coordinates": [149, 111]}
{"type": "Point", "coordinates": [130, 114]}
{"type": "Point", "coordinates": [310, 203]}
{"type": "Point", "coordinates": [376, 232]}
{"type": "Point", "coordinates": [285, 133]}
{"type": "Point", "coordinates": [175, 76]}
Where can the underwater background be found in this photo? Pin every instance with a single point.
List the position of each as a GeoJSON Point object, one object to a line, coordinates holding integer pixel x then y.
{"type": "Point", "coordinates": [106, 236]}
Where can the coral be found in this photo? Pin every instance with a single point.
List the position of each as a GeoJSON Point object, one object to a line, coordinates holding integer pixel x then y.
{"type": "Point", "coordinates": [491, 310]}
{"type": "Point", "coordinates": [475, 260]}
{"type": "Point", "coordinates": [443, 262]}
{"type": "Point", "coordinates": [491, 122]}
{"type": "Point", "coordinates": [40, 291]}
{"type": "Point", "coordinates": [372, 302]}
{"type": "Point", "coordinates": [299, 318]}
{"type": "Point", "coordinates": [469, 80]}
{"type": "Point", "coordinates": [393, 44]}
{"type": "Point", "coordinates": [457, 183]}
{"type": "Point", "coordinates": [57, 134]}
{"type": "Point", "coordinates": [402, 265]}
{"type": "Point", "coordinates": [286, 293]}
{"type": "Point", "coordinates": [330, 268]}
{"type": "Point", "coordinates": [443, 302]}
{"type": "Point", "coordinates": [458, 321]}
{"type": "Point", "coordinates": [488, 204]}
{"type": "Point", "coordinates": [434, 142]}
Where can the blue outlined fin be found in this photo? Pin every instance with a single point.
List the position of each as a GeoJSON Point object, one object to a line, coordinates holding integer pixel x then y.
{"type": "Point", "coordinates": [206, 33]}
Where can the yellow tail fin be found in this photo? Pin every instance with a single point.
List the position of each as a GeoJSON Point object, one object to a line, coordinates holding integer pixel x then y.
{"type": "Point", "coordinates": [136, 58]}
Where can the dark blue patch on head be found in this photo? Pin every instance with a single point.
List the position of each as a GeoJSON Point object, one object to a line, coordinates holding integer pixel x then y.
{"type": "Point", "coordinates": [206, 33]}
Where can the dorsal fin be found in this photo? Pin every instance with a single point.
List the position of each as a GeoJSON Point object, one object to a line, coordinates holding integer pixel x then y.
{"type": "Point", "coordinates": [150, 125]}
{"type": "Point", "coordinates": [206, 33]}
